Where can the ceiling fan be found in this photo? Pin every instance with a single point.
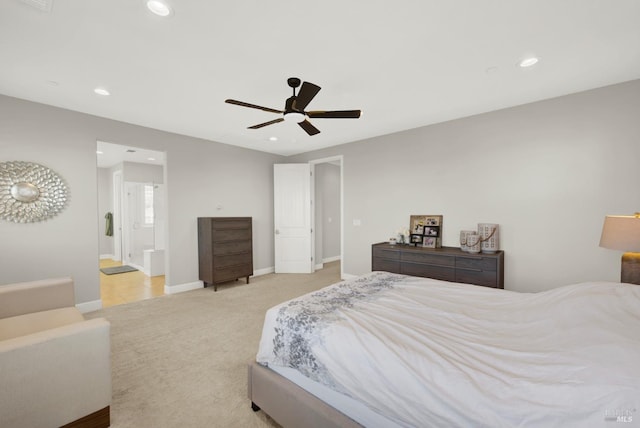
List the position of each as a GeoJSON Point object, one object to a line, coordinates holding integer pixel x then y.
{"type": "Point", "coordinates": [295, 105]}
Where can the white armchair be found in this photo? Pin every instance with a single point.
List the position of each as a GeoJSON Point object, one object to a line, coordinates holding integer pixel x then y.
{"type": "Point", "coordinates": [55, 366]}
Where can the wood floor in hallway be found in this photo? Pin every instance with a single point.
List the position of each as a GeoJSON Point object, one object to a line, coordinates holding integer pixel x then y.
{"type": "Point", "coordinates": [127, 287]}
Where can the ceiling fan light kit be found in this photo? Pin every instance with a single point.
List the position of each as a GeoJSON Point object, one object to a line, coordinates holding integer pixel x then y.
{"type": "Point", "coordinates": [294, 117]}
{"type": "Point", "coordinates": [158, 7]}
{"type": "Point", "coordinates": [294, 108]}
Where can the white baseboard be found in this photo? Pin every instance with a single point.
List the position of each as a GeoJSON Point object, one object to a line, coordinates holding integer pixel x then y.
{"type": "Point", "coordinates": [264, 271]}
{"type": "Point", "coordinates": [106, 256]}
{"type": "Point", "coordinates": [349, 276]}
{"type": "Point", "coordinates": [140, 268]}
{"type": "Point", "coordinates": [91, 306]}
{"type": "Point", "coordinates": [327, 260]}
{"type": "Point", "coordinates": [173, 289]}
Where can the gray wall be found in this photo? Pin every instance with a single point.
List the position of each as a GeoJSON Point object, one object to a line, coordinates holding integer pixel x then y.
{"type": "Point", "coordinates": [547, 172]}
{"type": "Point", "coordinates": [203, 178]}
{"type": "Point", "coordinates": [142, 173]}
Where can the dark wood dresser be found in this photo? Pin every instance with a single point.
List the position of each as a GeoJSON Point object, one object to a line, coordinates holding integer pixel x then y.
{"type": "Point", "coordinates": [446, 263]}
{"type": "Point", "coordinates": [225, 249]}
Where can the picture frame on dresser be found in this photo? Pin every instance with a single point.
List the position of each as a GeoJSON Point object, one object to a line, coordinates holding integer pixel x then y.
{"type": "Point", "coordinates": [426, 230]}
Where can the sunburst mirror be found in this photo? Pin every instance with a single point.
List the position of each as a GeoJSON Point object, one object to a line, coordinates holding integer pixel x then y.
{"type": "Point", "coordinates": [30, 192]}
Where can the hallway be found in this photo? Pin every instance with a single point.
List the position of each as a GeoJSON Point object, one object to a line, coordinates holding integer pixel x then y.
{"type": "Point", "coordinates": [127, 287]}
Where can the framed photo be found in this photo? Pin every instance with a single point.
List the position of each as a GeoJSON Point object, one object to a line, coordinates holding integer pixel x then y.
{"type": "Point", "coordinates": [429, 242]}
{"type": "Point", "coordinates": [432, 231]}
{"type": "Point", "coordinates": [416, 239]}
{"type": "Point", "coordinates": [426, 230]}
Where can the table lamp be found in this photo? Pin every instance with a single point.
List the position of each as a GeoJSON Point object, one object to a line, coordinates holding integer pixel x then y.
{"type": "Point", "coordinates": [622, 232]}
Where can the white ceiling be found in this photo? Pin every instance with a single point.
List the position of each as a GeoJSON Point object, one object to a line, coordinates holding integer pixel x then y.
{"type": "Point", "coordinates": [406, 63]}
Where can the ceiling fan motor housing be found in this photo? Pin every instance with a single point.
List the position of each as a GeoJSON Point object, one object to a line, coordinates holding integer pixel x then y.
{"type": "Point", "coordinates": [294, 82]}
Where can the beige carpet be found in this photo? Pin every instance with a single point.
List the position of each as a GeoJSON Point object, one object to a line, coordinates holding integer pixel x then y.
{"type": "Point", "coordinates": [181, 360]}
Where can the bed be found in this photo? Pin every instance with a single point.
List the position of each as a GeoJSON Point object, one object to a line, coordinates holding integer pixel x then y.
{"type": "Point", "coordinates": [390, 350]}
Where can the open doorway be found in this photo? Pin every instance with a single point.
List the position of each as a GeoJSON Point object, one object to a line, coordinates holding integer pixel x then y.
{"type": "Point", "coordinates": [131, 207]}
{"type": "Point", "coordinates": [327, 217]}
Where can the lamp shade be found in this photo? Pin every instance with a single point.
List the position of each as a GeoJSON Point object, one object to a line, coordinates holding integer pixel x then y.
{"type": "Point", "coordinates": [621, 232]}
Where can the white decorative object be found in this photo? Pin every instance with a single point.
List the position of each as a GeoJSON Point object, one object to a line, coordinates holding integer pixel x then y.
{"type": "Point", "coordinates": [489, 237]}
{"type": "Point", "coordinates": [392, 241]}
{"type": "Point", "coordinates": [30, 192]}
{"type": "Point", "coordinates": [473, 243]}
{"type": "Point", "coordinates": [463, 239]}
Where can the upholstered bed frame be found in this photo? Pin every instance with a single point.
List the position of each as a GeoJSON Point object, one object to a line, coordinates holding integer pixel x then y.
{"type": "Point", "coordinates": [288, 404]}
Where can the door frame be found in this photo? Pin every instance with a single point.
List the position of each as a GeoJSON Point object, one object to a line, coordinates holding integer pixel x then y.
{"type": "Point", "coordinates": [117, 214]}
{"type": "Point", "coordinates": [313, 163]}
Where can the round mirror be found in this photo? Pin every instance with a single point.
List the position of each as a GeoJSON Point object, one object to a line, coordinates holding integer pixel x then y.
{"type": "Point", "coordinates": [30, 192]}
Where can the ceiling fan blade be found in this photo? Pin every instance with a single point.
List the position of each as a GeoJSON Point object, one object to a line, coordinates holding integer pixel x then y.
{"type": "Point", "coordinates": [305, 95]}
{"type": "Point", "coordinates": [271, 122]}
{"type": "Point", "coordinates": [243, 104]}
{"type": "Point", "coordinates": [337, 114]}
{"type": "Point", "coordinates": [307, 126]}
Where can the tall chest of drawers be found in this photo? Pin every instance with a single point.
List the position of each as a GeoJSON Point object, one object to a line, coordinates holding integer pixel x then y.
{"type": "Point", "coordinates": [225, 249]}
{"type": "Point", "coordinates": [446, 263]}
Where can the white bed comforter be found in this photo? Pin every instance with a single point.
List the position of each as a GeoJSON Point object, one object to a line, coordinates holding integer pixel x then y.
{"type": "Point", "coordinates": [424, 352]}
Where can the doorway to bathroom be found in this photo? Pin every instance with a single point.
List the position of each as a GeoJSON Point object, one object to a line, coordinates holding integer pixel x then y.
{"type": "Point", "coordinates": [131, 206]}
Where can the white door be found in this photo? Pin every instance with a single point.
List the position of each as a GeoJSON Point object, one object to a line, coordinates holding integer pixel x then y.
{"type": "Point", "coordinates": [292, 218]}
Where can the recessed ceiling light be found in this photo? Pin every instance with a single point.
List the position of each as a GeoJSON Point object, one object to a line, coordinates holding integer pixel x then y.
{"type": "Point", "coordinates": [101, 91]}
{"type": "Point", "coordinates": [99, 152]}
{"type": "Point", "coordinates": [528, 62]}
{"type": "Point", "coordinates": [273, 138]}
{"type": "Point", "coordinates": [152, 159]}
{"type": "Point", "coordinates": [158, 7]}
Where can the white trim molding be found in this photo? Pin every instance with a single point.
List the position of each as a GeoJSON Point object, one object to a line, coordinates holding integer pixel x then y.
{"type": "Point", "coordinates": [173, 289]}
{"type": "Point", "coordinates": [264, 271]}
{"type": "Point", "coordinates": [91, 306]}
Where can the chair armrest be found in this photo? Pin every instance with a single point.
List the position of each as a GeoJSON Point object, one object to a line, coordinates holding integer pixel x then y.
{"type": "Point", "coordinates": [35, 296]}
{"type": "Point", "coordinates": [53, 377]}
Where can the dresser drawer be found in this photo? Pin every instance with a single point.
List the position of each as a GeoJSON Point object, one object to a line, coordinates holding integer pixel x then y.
{"type": "Point", "coordinates": [476, 263]}
{"type": "Point", "coordinates": [386, 253]}
{"type": "Point", "coordinates": [386, 265]}
{"type": "Point", "coordinates": [232, 224]}
{"type": "Point", "coordinates": [444, 273]}
{"type": "Point", "coordinates": [485, 278]}
{"type": "Point", "coordinates": [219, 235]}
{"type": "Point", "coordinates": [231, 260]}
{"type": "Point", "coordinates": [232, 272]}
{"type": "Point", "coordinates": [428, 258]}
{"type": "Point", "coordinates": [232, 247]}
